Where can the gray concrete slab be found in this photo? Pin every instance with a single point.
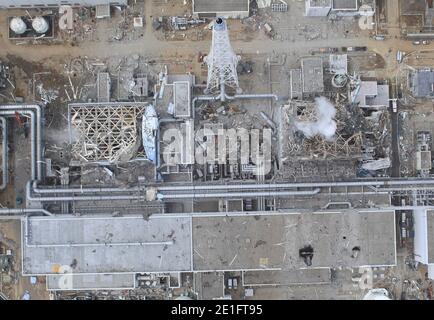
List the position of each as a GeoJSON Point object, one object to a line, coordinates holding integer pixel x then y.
{"type": "Point", "coordinates": [273, 242]}
{"type": "Point", "coordinates": [220, 6]}
{"type": "Point", "coordinates": [430, 235]}
{"type": "Point", "coordinates": [106, 244]}
{"type": "Point", "coordinates": [287, 278]}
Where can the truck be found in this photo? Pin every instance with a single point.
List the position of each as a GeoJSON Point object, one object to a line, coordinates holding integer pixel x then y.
{"type": "Point", "coordinates": [360, 48]}
{"type": "Point", "coordinates": [268, 30]}
{"type": "Point", "coordinates": [347, 49]}
{"type": "Point", "coordinates": [379, 38]}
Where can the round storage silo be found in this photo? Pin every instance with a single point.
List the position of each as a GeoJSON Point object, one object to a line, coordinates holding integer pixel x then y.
{"type": "Point", "coordinates": [17, 25]}
{"type": "Point", "coordinates": [40, 25]}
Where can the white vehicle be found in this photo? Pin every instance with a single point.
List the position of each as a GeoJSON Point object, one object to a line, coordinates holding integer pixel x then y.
{"type": "Point", "coordinates": [416, 43]}
{"type": "Point", "coordinates": [394, 106]}
{"type": "Point", "coordinates": [230, 283]}
{"type": "Point", "coordinates": [235, 282]}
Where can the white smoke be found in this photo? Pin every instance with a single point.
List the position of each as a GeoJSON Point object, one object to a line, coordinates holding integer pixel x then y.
{"type": "Point", "coordinates": [325, 125]}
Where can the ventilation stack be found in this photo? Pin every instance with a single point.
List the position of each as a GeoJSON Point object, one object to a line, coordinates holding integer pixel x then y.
{"type": "Point", "coordinates": [222, 61]}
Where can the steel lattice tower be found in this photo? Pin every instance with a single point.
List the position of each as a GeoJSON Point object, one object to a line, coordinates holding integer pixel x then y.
{"type": "Point", "coordinates": [222, 61]}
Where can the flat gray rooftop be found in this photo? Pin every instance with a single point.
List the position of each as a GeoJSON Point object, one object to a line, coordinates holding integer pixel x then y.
{"type": "Point", "coordinates": [287, 277]}
{"type": "Point", "coordinates": [313, 74]}
{"type": "Point", "coordinates": [320, 3]}
{"type": "Point", "coordinates": [167, 243]}
{"type": "Point", "coordinates": [106, 244]}
{"type": "Point", "coordinates": [181, 97]}
{"type": "Point", "coordinates": [213, 6]}
{"type": "Point", "coordinates": [273, 242]}
{"type": "Point", "coordinates": [430, 235]}
{"type": "Point", "coordinates": [412, 7]}
{"type": "Point", "coordinates": [345, 4]}
{"type": "Point", "coordinates": [422, 84]}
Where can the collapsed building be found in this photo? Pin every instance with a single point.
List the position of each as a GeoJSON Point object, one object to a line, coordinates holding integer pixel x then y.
{"type": "Point", "coordinates": [352, 126]}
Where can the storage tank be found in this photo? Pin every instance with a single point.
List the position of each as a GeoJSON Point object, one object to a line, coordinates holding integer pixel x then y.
{"type": "Point", "coordinates": [40, 25]}
{"type": "Point", "coordinates": [17, 25]}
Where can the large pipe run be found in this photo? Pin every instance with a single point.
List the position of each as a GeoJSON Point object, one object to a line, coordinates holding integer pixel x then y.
{"type": "Point", "coordinates": [79, 198]}
{"type": "Point", "coordinates": [10, 211]}
{"type": "Point", "coordinates": [268, 187]}
{"type": "Point", "coordinates": [60, 190]}
{"type": "Point", "coordinates": [5, 173]}
{"type": "Point", "coordinates": [239, 194]}
{"type": "Point", "coordinates": [35, 112]}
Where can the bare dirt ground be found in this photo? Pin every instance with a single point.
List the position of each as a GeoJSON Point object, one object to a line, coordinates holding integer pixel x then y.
{"type": "Point", "coordinates": [16, 286]}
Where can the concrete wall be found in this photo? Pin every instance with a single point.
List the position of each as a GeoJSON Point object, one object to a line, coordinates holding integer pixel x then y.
{"type": "Point", "coordinates": [420, 236]}
{"type": "Point", "coordinates": [313, 11]}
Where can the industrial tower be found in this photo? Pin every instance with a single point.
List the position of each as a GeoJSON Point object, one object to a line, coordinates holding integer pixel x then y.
{"type": "Point", "coordinates": [222, 61]}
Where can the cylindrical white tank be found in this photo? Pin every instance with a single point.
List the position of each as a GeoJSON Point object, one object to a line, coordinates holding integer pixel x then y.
{"type": "Point", "coordinates": [40, 25]}
{"type": "Point", "coordinates": [17, 25]}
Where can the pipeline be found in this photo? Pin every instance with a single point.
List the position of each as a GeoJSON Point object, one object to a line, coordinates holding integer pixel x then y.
{"type": "Point", "coordinates": [192, 188]}
{"type": "Point", "coordinates": [252, 96]}
{"type": "Point", "coordinates": [13, 211]}
{"type": "Point", "coordinates": [36, 122]}
{"type": "Point", "coordinates": [10, 113]}
{"type": "Point", "coordinates": [35, 189]}
{"type": "Point", "coordinates": [78, 198]}
{"type": "Point", "coordinates": [5, 173]}
{"type": "Point", "coordinates": [239, 194]}
{"type": "Point", "coordinates": [374, 183]}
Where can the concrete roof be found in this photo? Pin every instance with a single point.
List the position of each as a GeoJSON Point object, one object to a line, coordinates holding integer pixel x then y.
{"type": "Point", "coordinates": [313, 74]}
{"type": "Point", "coordinates": [181, 99]}
{"type": "Point", "coordinates": [320, 3]}
{"type": "Point", "coordinates": [269, 242]}
{"type": "Point", "coordinates": [345, 5]}
{"type": "Point", "coordinates": [213, 6]}
{"type": "Point", "coordinates": [422, 84]}
{"type": "Point", "coordinates": [410, 7]}
{"type": "Point", "coordinates": [339, 63]}
{"type": "Point", "coordinates": [106, 244]}
{"type": "Point", "coordinates": [287, 277]}
{"type": "Point", "coordinates": [216, 242]}
{"type": "Point", "coordinates": [373, 94]}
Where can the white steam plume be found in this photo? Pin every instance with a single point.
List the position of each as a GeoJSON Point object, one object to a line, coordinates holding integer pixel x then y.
{"type": "Point", "coordinates": [325, 125]}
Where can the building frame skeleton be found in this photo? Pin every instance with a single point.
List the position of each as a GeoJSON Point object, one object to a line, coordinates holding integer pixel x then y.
{"type": "Point", "coordinates": [104, 132]}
